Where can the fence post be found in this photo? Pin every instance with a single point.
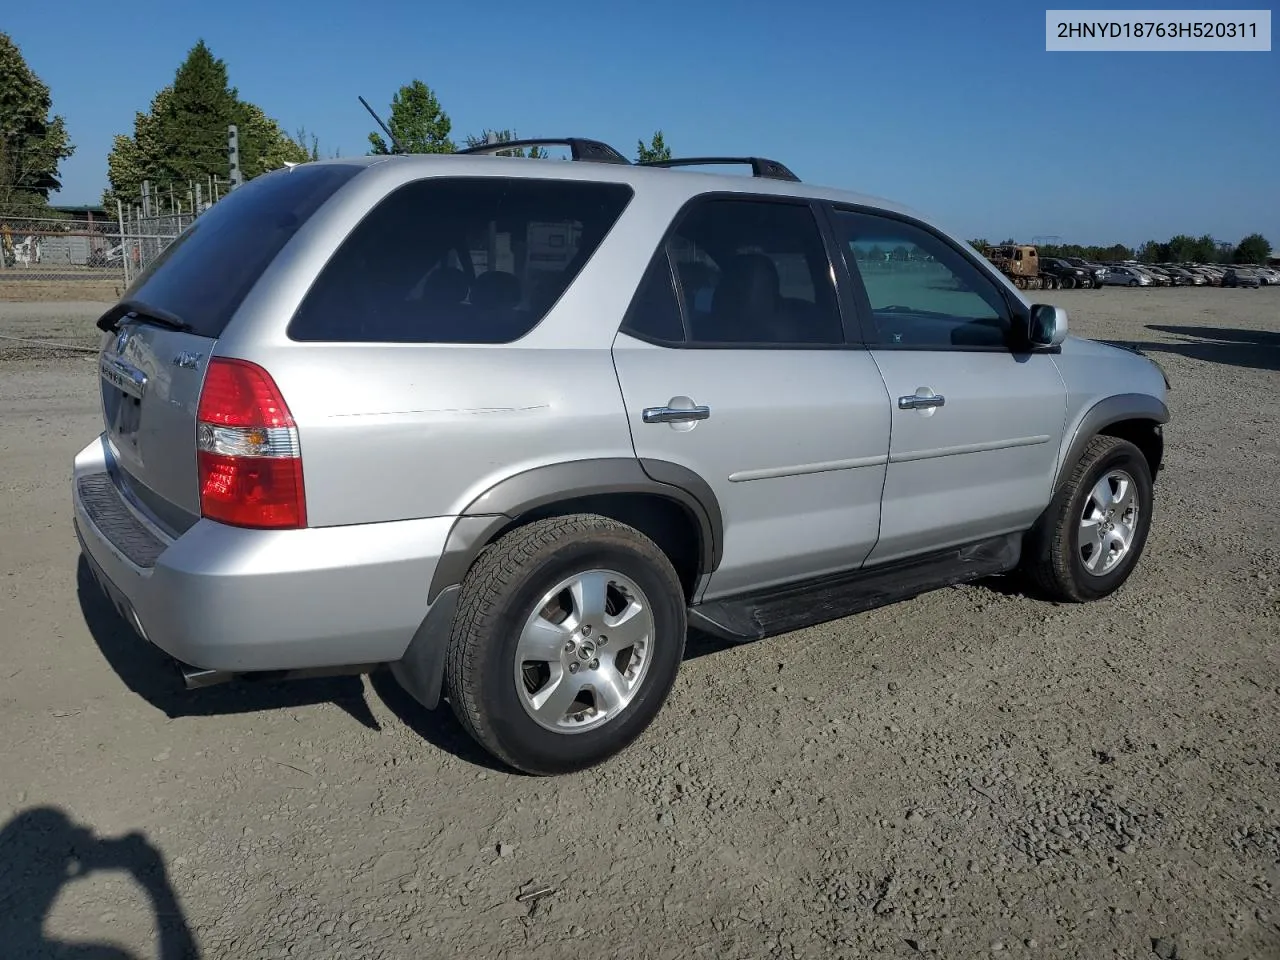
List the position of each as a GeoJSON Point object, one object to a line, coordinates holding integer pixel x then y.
{"type": "Point", "coordinates": [124, 251]}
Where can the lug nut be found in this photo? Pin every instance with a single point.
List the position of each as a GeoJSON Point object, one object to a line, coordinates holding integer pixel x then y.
{"type": "Point", "coordinates": [568, 647]}
{"type": "Point", "coordinates": [595, 664]}
{"type": "Point", "coordinates": [573, 668]}
{"type": "Point", "coordinates": [603, 640]}
{"type": "Point", "coordinates": [586, 630]}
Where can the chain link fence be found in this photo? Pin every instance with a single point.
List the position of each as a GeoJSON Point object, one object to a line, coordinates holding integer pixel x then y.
{"type": "Point", "coordinates": [107, 245]}
{"type": "Point", "coordinates": [60, 249]}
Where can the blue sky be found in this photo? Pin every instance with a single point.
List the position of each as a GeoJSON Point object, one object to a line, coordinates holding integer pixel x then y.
{"type": "Point", "coordinates": [953, 108]}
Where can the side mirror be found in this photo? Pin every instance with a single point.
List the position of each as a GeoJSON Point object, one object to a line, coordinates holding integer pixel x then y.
{"type": "Point", "coordinates": [1046, 325]}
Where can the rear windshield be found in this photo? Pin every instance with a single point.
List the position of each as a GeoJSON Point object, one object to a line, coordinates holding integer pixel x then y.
{"type": "Point", "coordinates": [203, 276]}
{"type": "Point", "coordinates": [459, 260]}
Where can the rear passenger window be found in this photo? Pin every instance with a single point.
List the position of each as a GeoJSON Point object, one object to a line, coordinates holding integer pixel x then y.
{"type": "Point", "coordinates": [451, 260]}
{"type": "Point", "coordinates": [754, 272]}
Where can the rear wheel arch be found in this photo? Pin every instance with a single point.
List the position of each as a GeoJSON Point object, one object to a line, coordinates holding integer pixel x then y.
{"type": "Point", "coordinates": [669, 503]}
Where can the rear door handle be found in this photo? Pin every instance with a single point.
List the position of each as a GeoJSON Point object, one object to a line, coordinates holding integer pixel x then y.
{"type": "Point", "coordinates": [675, 414]}
{"type": "Point", "coordinates": [916, 402]}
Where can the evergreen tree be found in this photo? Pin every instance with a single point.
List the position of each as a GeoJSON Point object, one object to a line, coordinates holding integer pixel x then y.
{"type": "Point", "coordinates": [418, 123]}
{"type": "Point", "coordinates": [33, 142]}
{"type": "Point", "coordinates": [182, 138]}
{"type": "Point", "coordinates": [655, 149]}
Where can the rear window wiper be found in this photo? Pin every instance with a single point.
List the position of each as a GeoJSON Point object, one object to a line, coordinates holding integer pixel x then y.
{"type": "Point", "coordinates": [143, 313]}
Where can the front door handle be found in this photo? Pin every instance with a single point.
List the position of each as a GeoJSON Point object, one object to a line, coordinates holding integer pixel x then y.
{"type": "Point", "coordinates": [675, 414]}
{"type": "Point", "coordinates": [916, 402]}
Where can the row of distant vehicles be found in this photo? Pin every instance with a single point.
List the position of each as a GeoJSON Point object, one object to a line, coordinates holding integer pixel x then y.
{"type": "Point", "coordinates": [1029, 271]}
{"type": "Point", "coordinates": [1130, 273]}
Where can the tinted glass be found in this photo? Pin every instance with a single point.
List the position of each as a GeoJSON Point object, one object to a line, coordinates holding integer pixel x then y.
{"type": "Point", "coordinates": [922, 291]}
{"type": "Point", "coordinates": [459, 261]}
{"type": "Point", "coordinates": [203, 276]}
{"type": "Point", "coordinates": [755, 272]}
{"type": "Point", "coordinates": [655, 311]}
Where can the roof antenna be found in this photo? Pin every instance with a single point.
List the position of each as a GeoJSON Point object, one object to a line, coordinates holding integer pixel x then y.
{"type": "Point", "coordinates": [395, 144]}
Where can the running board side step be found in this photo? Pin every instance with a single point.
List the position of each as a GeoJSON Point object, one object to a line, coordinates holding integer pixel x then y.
{"type": "Point", "coordinates": [794, 606]}
{"type": "Point", "coordinates": [195, 678]}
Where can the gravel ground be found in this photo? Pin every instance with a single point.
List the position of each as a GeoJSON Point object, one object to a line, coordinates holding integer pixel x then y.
{"type": "Point", "coordinates": [970, 773]}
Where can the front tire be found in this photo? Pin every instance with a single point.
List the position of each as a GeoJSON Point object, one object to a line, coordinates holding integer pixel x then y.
{"type": "Point", "coordinates": [1086, 544]}
{"type": "Point", "coordinates": [567, 641]}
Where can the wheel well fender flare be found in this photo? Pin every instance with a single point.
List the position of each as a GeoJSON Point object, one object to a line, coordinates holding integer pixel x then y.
{"type": "Point", "coordinates": [1102, 416]}
{"type": "Point", "coordinates": [543, 487]}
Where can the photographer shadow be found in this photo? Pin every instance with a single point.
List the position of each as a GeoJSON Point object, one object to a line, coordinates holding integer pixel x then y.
{"type": "Point", "coordinates": [41, 850]}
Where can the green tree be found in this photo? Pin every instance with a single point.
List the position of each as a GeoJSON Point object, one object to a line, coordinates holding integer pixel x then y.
{"type": "Point", "coordinates": [979, 245]}
{"type": "Point", "coordinates": [418, 123]}
{"type": "Point", "coordinates": [506, 136]}
{"type": "Point", "coordinates": [1204, 250]}
{"type": "Point", "coordinates": [182, 138]}
{"type": "Point", "coordinates": [1252, 249]}
{"type": "Point", "coordinates": [1181, 248]}
{"type": "Point", "coordinates": [33, 141]}
{"type": "Point", "coordinates": [656, 149]}
{"type": "Point", "coordinates": [193, 118]}
{"type": "Point", "coordinates": [1153, 252]}
{"type": "Point", "coordinates": [264, 146]}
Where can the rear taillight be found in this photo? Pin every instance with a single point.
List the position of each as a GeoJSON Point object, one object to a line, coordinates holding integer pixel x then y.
{"type": "Point", "coordinates": [248, 451]}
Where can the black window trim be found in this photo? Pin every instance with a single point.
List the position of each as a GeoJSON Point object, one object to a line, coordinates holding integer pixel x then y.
{"type": "Point", "coordinates": [630, 199]}
{"type": "Point", "coordinates": [848, 275]}
{"type": "Point", "coordinates": [849, 323]}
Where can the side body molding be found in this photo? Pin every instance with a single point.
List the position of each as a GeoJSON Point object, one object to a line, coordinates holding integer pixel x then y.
{"type": "Point", "coordinates": [546, 486]}
{"type": "Point", "coordinates": [1104, 413]}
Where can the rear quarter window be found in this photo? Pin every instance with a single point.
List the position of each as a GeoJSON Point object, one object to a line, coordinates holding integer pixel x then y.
{"type": "Point", "coordinates": [459, 260]}
{"type": "Point", "coordinates": [205, 274]}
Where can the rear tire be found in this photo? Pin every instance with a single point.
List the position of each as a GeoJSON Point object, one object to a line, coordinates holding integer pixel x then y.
{"type": "Point", "coordinates": [532, 673]}
{"type": "Point", "coordinates": [1087, 542]}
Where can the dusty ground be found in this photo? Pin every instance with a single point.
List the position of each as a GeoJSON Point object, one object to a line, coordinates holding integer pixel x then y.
{"type": "Point", "coordinates": [69, 288]}
{"type": "Point", "coordinates": [969, 773]}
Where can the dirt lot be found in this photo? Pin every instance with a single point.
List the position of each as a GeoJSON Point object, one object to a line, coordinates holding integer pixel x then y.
{"type": "Point", "coordinates": [966, 774]}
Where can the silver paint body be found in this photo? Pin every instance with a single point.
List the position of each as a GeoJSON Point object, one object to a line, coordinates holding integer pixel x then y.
{"type": "Point", "coordinates": [815, 466]}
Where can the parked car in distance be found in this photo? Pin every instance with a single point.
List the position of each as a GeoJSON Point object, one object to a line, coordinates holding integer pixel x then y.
{"type": "Point", "coordinates": [1127, 276]}
{"type": "Point", "coordinates": [1098, 270]}
{"type": "Point", "coordinates": [1241, 277]}
{"type": "Point", "coordinates": [1068, 274]}
{"type": "Point", "coordinates": [1181, 276]}
{"type": "Point", "coordinates": [509, 427]}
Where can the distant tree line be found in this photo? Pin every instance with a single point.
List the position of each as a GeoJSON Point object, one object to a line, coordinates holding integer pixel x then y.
{"type": "Point", "coordinates": [420, 124]}
{"type": "Point", "coordinates": [1180, 249]}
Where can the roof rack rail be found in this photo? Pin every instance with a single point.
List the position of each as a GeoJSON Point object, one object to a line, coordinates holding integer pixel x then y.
{"type": "Point", "coordinates": [760, 166]}
{"type": "Point", "coordinates": [579, 148]}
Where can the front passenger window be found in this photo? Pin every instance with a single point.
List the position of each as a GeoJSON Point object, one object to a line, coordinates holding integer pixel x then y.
{"type": "Point", "coordinates": [923, 293]}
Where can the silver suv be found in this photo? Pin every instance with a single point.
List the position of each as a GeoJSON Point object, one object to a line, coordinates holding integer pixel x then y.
{"type": "Point", "coordinates": [513, 426]}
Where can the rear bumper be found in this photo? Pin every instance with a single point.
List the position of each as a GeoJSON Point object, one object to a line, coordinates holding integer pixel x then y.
{"type": "Point", "coordinates": [223, 598]}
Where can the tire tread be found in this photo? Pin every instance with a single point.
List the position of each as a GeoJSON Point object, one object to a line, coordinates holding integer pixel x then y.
{"type": "Point", "coordinates": [499, 570]}
{"type": "Point", "coordinates": [1048, 566]}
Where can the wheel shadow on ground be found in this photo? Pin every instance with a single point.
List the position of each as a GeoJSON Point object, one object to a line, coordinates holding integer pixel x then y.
{"type": "Point", "coordinates": [42, 850]}
{"type": "Point", "coordinates": [150, 673]}
{"type": "Point", "coordinates": [441, 728]}
{"type": "Point", "coordinates": [1233, 347]}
